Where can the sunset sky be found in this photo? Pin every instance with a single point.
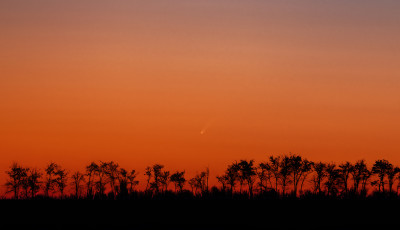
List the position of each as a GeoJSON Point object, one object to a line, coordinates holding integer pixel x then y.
{"type": "Point", "coordinates": [191, 83]}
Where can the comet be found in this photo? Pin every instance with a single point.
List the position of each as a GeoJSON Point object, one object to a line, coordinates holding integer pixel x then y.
{"type": "Point", "coordinates": [203, 131]}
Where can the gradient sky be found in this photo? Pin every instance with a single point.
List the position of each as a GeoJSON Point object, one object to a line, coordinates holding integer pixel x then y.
{"type": "Point", "coordinates": [192, 84]}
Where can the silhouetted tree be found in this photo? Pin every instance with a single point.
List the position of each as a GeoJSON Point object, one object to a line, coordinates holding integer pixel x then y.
{"type": "Point", "coordinates": [77, 180]}
{"type": "Point", "coordinates": [274, 166]}
{"type": "Point", "coordinates": [391, 174]}
{"type": "Point", "coordinates": [101, 182]}
{"type": "Point", "coordinates": [90, 173]}
{"type": "Point", "coordinates": [381, 168]}
{"type": "Point", "coordinates": [284, 172]}
{"type": "Point", "coordinates": [358, 172]}
{"type": "Point", "coordinates": [320, 174]}
{"type": "Point", "coordinates": [25, 186]}
{"type": "Point", "coordinates": [111, 172]}
{"type": "Point", "coordinates": [207, 177]}
{"type": "Point", "coordinates": [298, 167]}
{"type": "Point", "coordinates": [232, 175]}
{"type": "Point", "coordinates": [307, 168]}
{"type": "Point", "coordinates": [192, 182]}
{"type": "Point", "coordinates": [34, 182]}
{"type": "Point", "coordinates": [16, 176]}
{"type": "Point", "coordinates": [200, 182]}
{"type": "Point", "coordinates": [61, 180]}
{"type": "Point", "coordinates": [248, 173]}
{"type": "Point", "coordinates": [344, 173]}
{"type": "Point", "coordinates": [132, 180]}
{"type": "Point", "coordinates": [264, 176]}
{"type": "Point", "coordinates": [164, 180]}
{"type": "Point", "coordinates": [365, 176]}
{"type": "Point", "coordinates": [398, 183]}
{"type": "Point", "coordinates": [331, 183]}
{"type": "Point", "coordinates": [50, 182]}
{"type": "Point", "coordinates": [223, 181]}
{"type": "Point", "coordinates": [148, 174]}
{"type": "Point", "coordinates": [178, 178]}
{"type": "Point", "coordinates": [123, 182]}
{"type": "Point", "coordinates": [157, 177]}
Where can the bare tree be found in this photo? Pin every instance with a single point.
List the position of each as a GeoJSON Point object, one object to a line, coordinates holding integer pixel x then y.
{"type": "Point", "coordinates": [132, 180]}
{"type": "Point", "coordinates": [391, 174]}
{"type": "Point", "coordinates": [264, 176]}
{"type": "Point", "coordinates": [111, 171]}
{"type": "Point", "coordinates": [248, 173]}
{"type": "Point", "coordinates": [223, 180]}
{"type": "Point", "coordinates": [101, 182]}
{"type": "Point", "coordinates": [274, 166]}
{"type": "Point", "coordinates": [123, 182]}
{"type": "Point", "coordinates": [298, 167]}
{"type": "Point", "coordinates": [148, 173]}
{"type": "Point", "coordinates": [200, 182]}
{"type": "Point", "coordinates": [231, 175]}
{"type": "Point", "coordinates": [344, 173]}
{"type": "Point", "coordinates": [16, 176]}
{"type": "Point", "coordinates": [90, 173]}
{"type": "Point", "coordinates": [34, 182]}
{"type": "Point", "coordinates": [192, 183]}
{"type": "Point", "coordinates": [77, 180]}
{"type": "Point", "coordinates": [157, 170]}
{"type": "Point", "coordinates": [307, 169]}
{"type": "Point", "coordinates": [358, 172]}
{"type": "Point", "coordinates": [320, 174]}
{"type": "Point", "coordinates": [178, 178]}
{"type": "Point", "coordinates": [207, 177]}
{"type": "Point", "coordinates": [50, 182]}
{"type": "Point", "coordinates": [332, 174]}
{"type": "Point", "coordinates": [61, 180]}
{"type": "Point", "coordinates": [284, 173]}
{"type": "Point", "coordinates": [381, 168]}
{"type": "Point", "coordinates": [365, 176]}
{"type": "Point", "coordinates": [164, 180]}
{"type": "Point", "coordinates": [25, 186]}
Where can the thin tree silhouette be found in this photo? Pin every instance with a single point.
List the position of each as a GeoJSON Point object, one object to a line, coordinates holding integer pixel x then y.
{"type": "Point", "coordinates": [332, 182]}
{"type": "Point", "coordinates": [178, 178]}
{"type": "Point", "coordinates": [306, 170]}
{"type": "Point", "coordinates": [248, 173]}
{"type": "Point", "coordinates": [33, 180]}
{"type": "Point", "coordinates": [50, 181]}
{"type": "Point", "coordinates": [274, 166]}
{"type": "Point", "coordinates": [285, 170]}
{"type": "Point", "coordinates": [391, 174]}
{"type": "Point", "coordinates": [77, 180]}
{"type": "Point", "coordinates": [264, 176]}
{"type": "Point", "coordinates": [381, 168]}
{"type": "Point", "coordinates": [148, 173]}
{"type": "Point", "coordinates": [358, 172]}
{"type": "Point", "coordinates": [132, 180]}
{"type": "Point", "coordinates": [344, 173]}
{"type": "Point", "coordinates": [231, 176]}
{"type": "Point", "coordinates": [61, 180]}
{"type": "Point", "coordinates": [90, 174]}
{"type": "Point", "coordinates": [16, 175]}
{"type": "Point", "coordinates": [320, 174]}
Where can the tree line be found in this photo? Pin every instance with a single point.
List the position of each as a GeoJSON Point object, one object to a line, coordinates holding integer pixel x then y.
{"type": "Point", "coordinates": [280, 176]}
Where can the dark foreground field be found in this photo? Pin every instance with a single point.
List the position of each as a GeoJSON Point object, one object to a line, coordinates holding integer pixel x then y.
{"type": "Point", "coordinates": [200, 214]}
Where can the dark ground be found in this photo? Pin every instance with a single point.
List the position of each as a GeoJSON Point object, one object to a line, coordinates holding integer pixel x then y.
{"type": "Point", "coordinates": [200, 214]}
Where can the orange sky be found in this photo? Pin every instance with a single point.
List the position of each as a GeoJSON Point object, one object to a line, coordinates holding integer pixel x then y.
{"type": "Point", "coordinates": [137, 82]}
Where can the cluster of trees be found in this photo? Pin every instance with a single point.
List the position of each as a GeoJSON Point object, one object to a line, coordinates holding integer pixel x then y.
{"type": "Point", "coordinates": [285, 175]}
